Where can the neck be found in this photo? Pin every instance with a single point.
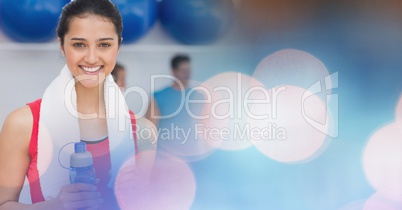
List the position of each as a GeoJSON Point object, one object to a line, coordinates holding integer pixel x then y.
{"type": "Point", "coordinates": [177, 86]}
{"type": "Point", "coordinates": [90, 101]}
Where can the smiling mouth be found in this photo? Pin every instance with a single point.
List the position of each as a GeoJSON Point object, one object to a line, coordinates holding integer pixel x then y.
{"type": "Point", "coordinates": [91, 70]}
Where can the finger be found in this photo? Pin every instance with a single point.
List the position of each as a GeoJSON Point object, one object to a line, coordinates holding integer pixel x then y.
{"type": "Point", "coordinates": [77, 187]}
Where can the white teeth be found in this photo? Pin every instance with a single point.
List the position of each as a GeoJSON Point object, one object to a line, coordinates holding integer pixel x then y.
{"type": "Point", "coordinates": [91, 69]}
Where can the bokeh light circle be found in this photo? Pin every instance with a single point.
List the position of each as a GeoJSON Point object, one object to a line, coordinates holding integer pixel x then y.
{"type": "Point", "coordinates": [398, 113]}
{"type": "Point", "coordinates": [382, 159]}
{"type": "Point", "coordinates": [381, 200]}
{"type": "Point", "coordinates": [293, 67]}
{"type": "Point", "coordinates": [288, 132]}
{"type": "Point", "coordinates": [170, 185]}
{"type": "Point", "coordinates": [47, 151]}
{"type": "Point", "coordinates": [227, 114]}
{"type": "Point", "coordinates": [47, 156]}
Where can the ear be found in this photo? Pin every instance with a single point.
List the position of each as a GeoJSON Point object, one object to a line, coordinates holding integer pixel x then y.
{"type": "Point", "coordinates": [61, 47]}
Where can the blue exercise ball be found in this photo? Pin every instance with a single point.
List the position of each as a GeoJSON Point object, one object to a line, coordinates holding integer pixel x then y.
{"type": "Point", "coordinates": [138, 17]}
{"type": "Point", "coordinates": [196, 21]}
{"type": "Point", "coordinates": [30, 20]}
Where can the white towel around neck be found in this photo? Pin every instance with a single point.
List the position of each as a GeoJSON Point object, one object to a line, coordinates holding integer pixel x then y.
{"type": "Point", "coordinates": [58, 126]}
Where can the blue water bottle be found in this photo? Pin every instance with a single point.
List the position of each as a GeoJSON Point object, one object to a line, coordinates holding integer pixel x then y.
{"type": "Point", "coordinates": [81, 165]}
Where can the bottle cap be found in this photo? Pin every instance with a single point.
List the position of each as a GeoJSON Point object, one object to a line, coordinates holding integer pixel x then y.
{"type": "Point", "coordinates": [81, 157]}
{"type": "Point", "coordinates": [80, 147]}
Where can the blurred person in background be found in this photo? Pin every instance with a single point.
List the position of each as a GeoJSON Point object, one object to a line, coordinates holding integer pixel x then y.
{"type": "Point", "coordinates": [167, 110]}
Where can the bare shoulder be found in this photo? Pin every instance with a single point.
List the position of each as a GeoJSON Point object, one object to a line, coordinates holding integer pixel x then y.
{"type": "Point", "coordinates": [20, 119]}
{"type": "Point", "coordinates": [14, 153]}
{"type": "Point", "coordinates": [17, 127]}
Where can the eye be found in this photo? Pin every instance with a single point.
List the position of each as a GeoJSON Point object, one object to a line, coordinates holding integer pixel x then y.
{"type": "Point", "coordinates": [78, 45]}
{"type": "Point", "coordinates": [104, 45]}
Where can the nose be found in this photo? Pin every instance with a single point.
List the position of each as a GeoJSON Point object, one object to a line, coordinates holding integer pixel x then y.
{"type": "Point", "coordinates": [92, 55]}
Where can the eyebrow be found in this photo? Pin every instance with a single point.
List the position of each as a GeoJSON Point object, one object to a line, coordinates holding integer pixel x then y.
{"type": "Point", "coordinates": [82, 39]}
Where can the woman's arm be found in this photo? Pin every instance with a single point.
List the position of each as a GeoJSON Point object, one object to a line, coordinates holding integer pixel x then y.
{"type": "Point", "coordinates": [135, 176]}
{"type": "Point", "coordinates": [147, 145]}
{"type": "Point", "coordinates": [14, 162]}
{"type": "Point", "coordinates": [14, 156]}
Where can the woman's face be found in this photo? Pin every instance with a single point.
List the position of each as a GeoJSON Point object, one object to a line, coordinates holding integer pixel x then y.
{"type": "Point", "coordinates": [90, 48]}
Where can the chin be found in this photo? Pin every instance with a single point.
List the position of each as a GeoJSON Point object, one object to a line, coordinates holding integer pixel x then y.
{"type": "Point", "coordinates": [89, 83]}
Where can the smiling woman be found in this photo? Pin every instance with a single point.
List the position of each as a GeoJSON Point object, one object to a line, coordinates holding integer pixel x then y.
{"type": "Point", "coordinates": [90, 48]}
{"type": "Point", "coordinates": [93, 110]}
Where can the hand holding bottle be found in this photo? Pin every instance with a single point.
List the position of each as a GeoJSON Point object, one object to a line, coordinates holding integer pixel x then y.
{"type": "Point", "coordinates": [79, 196]}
